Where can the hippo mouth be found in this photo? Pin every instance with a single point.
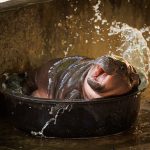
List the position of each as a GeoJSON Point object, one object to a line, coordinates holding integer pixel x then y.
{"type": "Point", "coordinates": [97, 79]}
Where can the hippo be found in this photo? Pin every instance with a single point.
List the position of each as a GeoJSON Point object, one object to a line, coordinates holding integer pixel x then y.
{"type": "Point", "coordinates": [77, 77]}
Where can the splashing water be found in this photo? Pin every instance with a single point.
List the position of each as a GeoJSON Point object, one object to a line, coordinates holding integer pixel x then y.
{"type": "Point", "coordinates": [144, 30]}
{"type": "Point", "coordinates": [55, 111]}
{"type": "Point", "coordinates": [134, 49]}
{"type": "Point", "coordinates": [97, 12]}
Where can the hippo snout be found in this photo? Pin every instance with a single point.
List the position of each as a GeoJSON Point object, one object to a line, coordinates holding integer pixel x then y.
{"type": "Point", "coordinates": [110, 76]}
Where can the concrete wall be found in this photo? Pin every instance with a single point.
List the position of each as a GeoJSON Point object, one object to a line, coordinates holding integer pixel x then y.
{"type": "Point", "coordinates": [31, 34]}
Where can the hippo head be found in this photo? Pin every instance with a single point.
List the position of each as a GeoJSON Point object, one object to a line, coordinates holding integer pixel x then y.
{"type": "Point", "coordinates": [109, 76]}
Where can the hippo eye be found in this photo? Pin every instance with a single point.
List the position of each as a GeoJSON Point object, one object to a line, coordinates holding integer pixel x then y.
{"type": "Point", "coordinates": [122, 68]}
{"type": "Point", "coordinates": [131, 80]}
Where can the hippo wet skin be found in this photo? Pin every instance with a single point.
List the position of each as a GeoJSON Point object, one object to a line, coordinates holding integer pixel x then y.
{"type": "Point", "coordinates": [81, 77]}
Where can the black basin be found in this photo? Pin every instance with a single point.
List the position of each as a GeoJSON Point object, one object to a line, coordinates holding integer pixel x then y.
{"type": "Point", "coordinates": [72, 119]}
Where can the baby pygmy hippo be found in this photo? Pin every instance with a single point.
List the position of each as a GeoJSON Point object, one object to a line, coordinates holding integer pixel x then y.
{"type": "Point", "coordinates": [81, 77]}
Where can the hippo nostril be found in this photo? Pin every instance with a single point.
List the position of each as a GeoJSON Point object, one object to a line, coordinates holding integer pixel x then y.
{"type": "Point", "coordinates": [107, 64]}
{"type": "Point", "coordinates": [98, 71]}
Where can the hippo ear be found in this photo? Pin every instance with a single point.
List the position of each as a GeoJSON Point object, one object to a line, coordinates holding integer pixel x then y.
{"type": "Point", "coordinates": [134, 79]}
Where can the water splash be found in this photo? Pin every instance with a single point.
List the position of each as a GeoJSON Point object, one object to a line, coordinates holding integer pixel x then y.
{"type": "Point", "coordinates": [56, 111]}
{"type": "Point", "coordinates": [134, 49]}
{"type": "Point", "coordinates": [98, 14]}
{"type": "Point", "coordinates": [147, 31]}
